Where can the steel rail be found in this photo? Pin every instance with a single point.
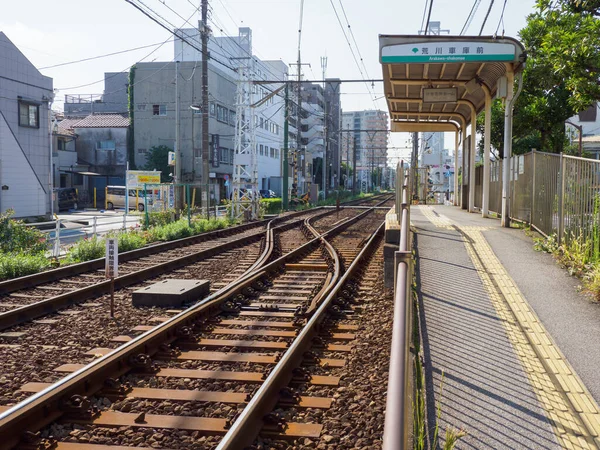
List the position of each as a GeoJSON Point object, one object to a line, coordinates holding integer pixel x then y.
{"type": "Point", "coordinates": [29, 312]}
{"type": "Point", "coordinates": [28, 281]}
{"type": "Point", "coordinates": [44, 407]}
{"type": "Point", "coordinates": [397, 414]}
{"type": "Point", "coordinates": [250, 421]}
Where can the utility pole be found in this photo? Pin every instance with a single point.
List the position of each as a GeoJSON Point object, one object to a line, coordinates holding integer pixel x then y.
{"type": "Point", "coordinates": [177, 177]}
{"type": "Point", "coordinates": [325, 164]}
{"type": "Point", "coordinates": [347, 158]}
{"type": "Point", "coordinates": [286, 113]}
{"type": "Point", "coordinates": [354, 167]}
{"type": "Point", "coordinates": [204, 31]}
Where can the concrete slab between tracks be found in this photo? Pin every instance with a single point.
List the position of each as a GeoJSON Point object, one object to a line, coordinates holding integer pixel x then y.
{"type": "Point", "coordinates": [491, 364]}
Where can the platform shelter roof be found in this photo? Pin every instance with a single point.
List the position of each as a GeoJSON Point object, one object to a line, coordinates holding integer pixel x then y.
{"type": "Point", "coordinates": [432, 82]}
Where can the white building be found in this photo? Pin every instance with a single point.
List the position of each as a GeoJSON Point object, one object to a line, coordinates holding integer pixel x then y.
{"type": "Point", "coordinates": [371, 137]}
{"type": "Point", "coordinates": [269, 116]}
{"type": "Point", "coordinates": [25, 157]}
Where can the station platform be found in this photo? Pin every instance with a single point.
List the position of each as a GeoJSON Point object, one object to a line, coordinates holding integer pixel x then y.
{"type": "Point", "coordinates": [511, 347]}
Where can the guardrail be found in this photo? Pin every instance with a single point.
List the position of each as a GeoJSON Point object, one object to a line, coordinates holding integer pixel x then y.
{"type": "Point", "coordinates": [397, 416]}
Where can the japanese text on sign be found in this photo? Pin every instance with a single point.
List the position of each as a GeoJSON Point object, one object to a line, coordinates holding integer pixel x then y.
{"type": "Point", "coordinates": [112, 258]}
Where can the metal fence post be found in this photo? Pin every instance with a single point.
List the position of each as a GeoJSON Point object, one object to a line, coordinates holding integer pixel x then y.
{"type": "Point", "coordinates": [532, 214]}
{"type": "Point", "coordinates": [57, 239]}
{"type": "Point", "coordinates": [124, 222]}
{"type": "Point", "coordinates": [94, 225]}
{"type": "Point", "coordinates": [561, 200]}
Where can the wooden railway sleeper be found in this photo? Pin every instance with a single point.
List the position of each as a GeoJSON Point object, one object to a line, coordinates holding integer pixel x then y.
{"type": "Point", "coordinates": [35, 441]}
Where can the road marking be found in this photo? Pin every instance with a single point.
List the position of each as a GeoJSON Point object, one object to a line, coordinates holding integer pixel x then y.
{"type": "Point", "coordinates": [570, 408]}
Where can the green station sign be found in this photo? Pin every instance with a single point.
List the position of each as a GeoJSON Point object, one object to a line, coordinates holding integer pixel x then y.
{"type": "Point", "coordinates": [448, 52]}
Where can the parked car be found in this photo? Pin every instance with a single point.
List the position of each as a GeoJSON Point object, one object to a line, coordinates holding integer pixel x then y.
{"type": "Point", "coordinates": [67, 198]}
{"type": "Point", "coordinates": [267, 193]}
{"type": "Point", "coordinates": [115, 198]}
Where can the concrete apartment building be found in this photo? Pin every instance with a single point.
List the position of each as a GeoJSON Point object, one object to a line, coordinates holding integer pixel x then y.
{"type": "Point", "coordinates": [371, 137]}
{"type": "Point", "coordinates": [113, 100]}
{"type": "Point", "coordinates": [154, 109]}
{"type": "Point", "coordinates": [313, 136]}
{"type": "Point", "coordinates": [333, 122]}
{"type": "Point", "coordinates": [25, 157]}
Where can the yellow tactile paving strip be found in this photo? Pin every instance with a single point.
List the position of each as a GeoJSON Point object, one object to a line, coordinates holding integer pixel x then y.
{"type": "Point", "coordinates": [570, 408]}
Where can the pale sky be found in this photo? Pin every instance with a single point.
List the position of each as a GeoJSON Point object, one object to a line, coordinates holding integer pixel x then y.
{"type": "Point", "coordinates": [54, 32]}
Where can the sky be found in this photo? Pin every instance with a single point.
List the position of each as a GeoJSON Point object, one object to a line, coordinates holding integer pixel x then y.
{"type": "Point", "coordinates": [55, 32]}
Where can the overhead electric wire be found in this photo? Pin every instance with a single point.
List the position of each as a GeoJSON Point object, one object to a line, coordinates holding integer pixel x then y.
{"type": "Point", "coordinates": [424, 14]}
{"type": "Point", "coordinates": [486, 17]}
{"type": "Point", "coordinates": [428, 16]}
{"type": "Point", "coordinates": [470, 17]}
{"type": "Point", "coordinates": [501, 20]}
{"type": "Point", "coordinates": [154, 19]}
{"type": "Point", "coordinates": [103, 56]}
{"type": "Point", "coordinates": [352, 51]}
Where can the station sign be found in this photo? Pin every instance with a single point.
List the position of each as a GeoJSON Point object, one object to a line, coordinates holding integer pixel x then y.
{"type": "Point", "coordinates": [440, 95]}
{"type": "Point", "coordinates": [448, 52]}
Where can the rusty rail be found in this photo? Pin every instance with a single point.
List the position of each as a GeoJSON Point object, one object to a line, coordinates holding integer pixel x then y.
{"type": "Point", "coordinates": [397, 415]}
{"type": "Point", "coordinates": [44, 407]}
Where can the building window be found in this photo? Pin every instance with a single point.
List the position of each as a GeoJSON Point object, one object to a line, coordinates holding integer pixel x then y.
{"type": "Point", "coordinates": [29, 115]}
{"type": "Point", "coordinates": [222, 114]}
{"type": "Point", "coordinates": [212, 109]}
{"type": "Point", "coordinates": [262, 149]}
{"type": "Point", "coordinates": [231, 117]}
{"type": "Point", "coordinates": [231, 155]}
{"type": "Point", "coordinates": [142, 151]}
{"type": "Point", "coordinates": [262, 122]}
{"type": "Point", "coordinates": [159, 110]}
{"type": "Point", "coordinates": [106, 145]}
{"type": "Point", "coordinates": [223, 155]}
{"type": "Point", "coordinates": [272, 152]}
{"type": "Point", "coordinates": [61, 144]}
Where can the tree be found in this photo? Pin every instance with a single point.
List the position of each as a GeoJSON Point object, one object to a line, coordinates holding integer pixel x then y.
{"type": "Point", "coordinates": [158, 160]}
{"type": "Point", "coordinates": [345, 174]}
{"type": "Point", "coordinates": [561, 77]}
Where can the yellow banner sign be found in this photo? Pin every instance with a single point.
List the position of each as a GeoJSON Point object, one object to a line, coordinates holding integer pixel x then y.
{"type": "Point", "coordinates": [148, 179]}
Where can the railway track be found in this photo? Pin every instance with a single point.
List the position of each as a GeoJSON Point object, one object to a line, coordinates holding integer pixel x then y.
{"type": "Point", "coordinates": [259, 315]}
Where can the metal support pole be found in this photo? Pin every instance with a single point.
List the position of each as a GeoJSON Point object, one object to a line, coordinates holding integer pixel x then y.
{"type": "Point", "coordinates": [456, 202]}
{"type": "Point", "coordinates": [464, 148]}
{"type": "Point", "coordinates": [485, 195]}
{"type": "Point", "coordinates": [177, 177]}
{"type": "Point", "coordinates": [472, 152]}
{"type": "Point", "coordinates": [284, 184]}
{"type": "Point", "coordinates": [561, 200]}
{"type": "Point", "coordinates": [354, 168]}
{"type": "Point", "coordinates": [508, 110]}
{"type": "Point", "coordinates": [94, 226]}
{"type": "Point", "coordinates": [204, 31]}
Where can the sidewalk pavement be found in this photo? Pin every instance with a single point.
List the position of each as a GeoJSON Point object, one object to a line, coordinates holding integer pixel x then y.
{"type": "Point", "coordinates": [506, 337]}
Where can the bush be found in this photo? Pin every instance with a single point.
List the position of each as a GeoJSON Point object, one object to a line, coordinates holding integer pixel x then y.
{"type": "Point", "coordinates": [273, 205]}
{"type": "Point", "coordinates": [171, 231]}
{"type": "Point", "coordinates": [14, 265]}
{"type": "Point", "coordinates": [131, 240]}
{"type": "Point", "coordinates": [160, 218]}
{"type": "Point", "coordinates": [86, 250]}
{"type": "Point", "coordinates": [14, 237]}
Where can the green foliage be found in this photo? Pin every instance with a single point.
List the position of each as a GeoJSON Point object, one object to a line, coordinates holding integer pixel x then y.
{"type": "Point", "coordinates": [272, 205]}
{"type": "Point", "coordinates": [86, 250]}
{"type": "Point", "coordinates": [131, 240]}
{"type": "Point", "coordinates": [562, 40]}
{"type": "Point", "coordinates": [14, 265]}
{"type": "Point", "coordinates": [158, 159]}
{"type": "Point", "coordinates": [14, 237]}
{"type": "Point", "coordinates": [171, 231]}
{"type": "Point", "coordinates": [160, 218]}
